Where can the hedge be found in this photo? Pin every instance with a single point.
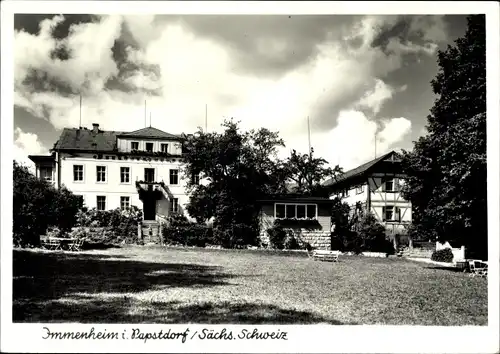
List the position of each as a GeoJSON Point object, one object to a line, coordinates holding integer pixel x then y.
{"type": "Point", "coordinates": [444, 255]}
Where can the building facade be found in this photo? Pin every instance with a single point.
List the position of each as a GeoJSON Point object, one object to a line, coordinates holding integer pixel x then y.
{"type": "Point", "coordinates": [313, 213]}
{"type": "Point", "coordinates": [111, 169]}
{"type": "Point", "coordinates": [376, 185]}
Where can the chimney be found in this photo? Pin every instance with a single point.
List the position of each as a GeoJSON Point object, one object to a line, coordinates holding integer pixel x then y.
{"type": "Point", "coordinates": [95, 128]}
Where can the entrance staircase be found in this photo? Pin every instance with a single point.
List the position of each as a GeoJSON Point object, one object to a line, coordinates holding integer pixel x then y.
{"type": "Point", "coordinates": [151, 232]}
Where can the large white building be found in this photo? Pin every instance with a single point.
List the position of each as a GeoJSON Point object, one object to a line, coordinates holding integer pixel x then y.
{"type": "Point", "coordinates": [377, 186]}
{"type": "Point", "coordinates": [111, 169]}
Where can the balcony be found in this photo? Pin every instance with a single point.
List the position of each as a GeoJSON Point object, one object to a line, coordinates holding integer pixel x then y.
{"type": "Point", "coordinates": [157, 190]}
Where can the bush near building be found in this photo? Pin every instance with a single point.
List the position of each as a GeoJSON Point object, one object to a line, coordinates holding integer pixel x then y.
{"type": "Point", "coordinates": [444, 255]}
{"type": "Point", "coordinates": [108, 226]}
{"type": "Point", "coordinates": [37, 206]}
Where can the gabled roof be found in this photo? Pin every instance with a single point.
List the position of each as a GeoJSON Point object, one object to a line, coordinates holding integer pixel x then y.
{"type": "Point", "coordinates": [150, 132]}
{"type": "Point", "coordinates": [85, 139]}
{"type": "Point", "coordinates": [358, 171]}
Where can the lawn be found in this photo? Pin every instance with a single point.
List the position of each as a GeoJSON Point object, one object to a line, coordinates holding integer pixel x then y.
{"type": "Point", "coordinates": [157, 285]}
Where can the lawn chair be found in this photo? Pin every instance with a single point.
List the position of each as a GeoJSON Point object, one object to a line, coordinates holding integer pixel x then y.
{"type": "Point", "coordinates": [76, 245]}
{"type": "Point", "coordinates": [51, 244]}
{"type": "Point", "coordinates": [480, 271]}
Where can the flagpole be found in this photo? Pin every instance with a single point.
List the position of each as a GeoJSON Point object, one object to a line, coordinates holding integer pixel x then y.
{"type": "Point", "coordinates": [309, 135]}
{"type": "Point", "coordinates": [80, 111]}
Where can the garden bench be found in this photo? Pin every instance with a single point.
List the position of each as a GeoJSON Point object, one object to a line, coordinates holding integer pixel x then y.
{"type": "Point", "coordinates": [325, 255]}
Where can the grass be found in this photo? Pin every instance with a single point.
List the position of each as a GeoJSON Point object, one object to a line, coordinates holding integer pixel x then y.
{"type": "Point", "coordinates": [158, 285]}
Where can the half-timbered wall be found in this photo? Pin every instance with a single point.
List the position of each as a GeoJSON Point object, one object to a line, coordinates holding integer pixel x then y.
{"type": "Point", "coordinates": [388, 204]}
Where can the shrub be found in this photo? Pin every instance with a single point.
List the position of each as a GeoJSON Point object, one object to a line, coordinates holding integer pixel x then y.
{"type": "Point", "coordinates": [37, 205]}
{"type": "Point", "coordinates": [119, 225]}
{"type": "Point", "coordinates": [291, 242]}
{"type": "Point", "coordinates": [277, 237]}
{"type": "Point", "coordinates": [309, 224]}
{"type": "Point", "coordinates": [444, 255]}
{"type": "Point", "coordinates": [198, 235]}
{"type": "Point", "coordinates": [234, 235]}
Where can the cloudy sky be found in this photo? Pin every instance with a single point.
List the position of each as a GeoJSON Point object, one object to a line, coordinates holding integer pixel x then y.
{"type": "Point", "coordinates": [354, 76]}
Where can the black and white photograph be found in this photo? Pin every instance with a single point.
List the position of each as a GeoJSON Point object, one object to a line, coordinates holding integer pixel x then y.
{"type": "Point", "coordinates": [231, 181]}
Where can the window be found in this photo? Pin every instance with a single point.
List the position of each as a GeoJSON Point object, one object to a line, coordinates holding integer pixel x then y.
{"type": "Point", "coordinates": [280, 211]}
{"type": "Point", "coordinates": [135, 145]}
{"type": "Point", "coordinates": [149, 147]}
{"type": "Point", "coordinates": [290, 211]}
{"type": "Point", "coordinates": [164, 147]}
{"type": "Point", "coordinates": [124, 174]}
{"type": "Point", "coordinates": [388, 213]}
{"type": "Point", "coordinates": [46, 173]}
{"type": "Point", "coordinates": [174, 205]}
{"type": "Point", "coordinates": [345, 193]}
{"type": "Point", "coordinates": [78, 173]}
{"type": "Point", "coordinates": [101, 202]}
{"type": "Point", "coordinates": [149, 175]}
{"type": "Point", "coordinates": [299, 211]}
{"type": "Point", "coordinates": [359, 189]}
{"type": "Point", "coordinates": [101, 173]}
{"type": "Point", "coordinates": [196, 179]}
{"type": "Point", "coordinates": [174, 176]}
{"type": "Point", "coordinates": [397, 214]}
{"type": "Point", "coordinates": [311, 211]}
{"type": "Point", "coordinates": [124, 202]}
{"type": "Point", "coordinates": [390, 185]}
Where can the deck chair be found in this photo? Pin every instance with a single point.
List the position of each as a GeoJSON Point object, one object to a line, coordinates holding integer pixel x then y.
{"type": "Point", "coordinates": [480, 271]}
{"type": "Point", "coordinates": [51, 244]}
{"type": "Point", "coordinates": [76, 245]}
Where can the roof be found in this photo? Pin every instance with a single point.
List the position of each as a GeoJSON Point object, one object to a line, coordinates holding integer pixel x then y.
{"type": "Point", "coordinates": [358, 171]}
{"type": "Point", "coordinates": [290, 198]}
{"type": "Point", "coordinates": [150, 132]}
{"type": "Point", "coordinates": [103, 141]}
{"type": "Point", "coordinates": [85, 139]}
{"type": "Point", "coordinates": [41, 158]}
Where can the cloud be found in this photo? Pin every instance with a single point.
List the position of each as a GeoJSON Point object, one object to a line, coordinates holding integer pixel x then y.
{"type": "Point", "coordinates": [27, 144]}
{"type": "Point", "coordinates": [352, 141]}
{"type": "Point", "coordinates": [90, 63]}
{"type": "Point", "coordinates": [264, 71]}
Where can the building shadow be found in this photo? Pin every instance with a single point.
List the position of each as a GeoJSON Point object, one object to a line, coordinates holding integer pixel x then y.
{"type": "Point", "coordinates": [60, 287]}
{"type": "Point", "coordinates": [43, 277]}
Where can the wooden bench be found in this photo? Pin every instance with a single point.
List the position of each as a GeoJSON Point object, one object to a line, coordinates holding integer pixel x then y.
{"type": "Point", "coordinates": [325, 255]}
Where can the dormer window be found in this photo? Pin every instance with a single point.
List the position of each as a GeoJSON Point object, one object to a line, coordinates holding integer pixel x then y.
{"type": "Point", "coordinates": [135, 145]}
{"type": "Point", "coordinates": [149, 147]}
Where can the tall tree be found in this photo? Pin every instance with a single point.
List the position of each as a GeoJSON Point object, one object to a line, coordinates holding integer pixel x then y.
{"type": "Point", "coordinates": [447, 168]}
{"type": "Point", "coordinates": [241, 167]}
{"type": "Point", "coordinates": [308, 172]}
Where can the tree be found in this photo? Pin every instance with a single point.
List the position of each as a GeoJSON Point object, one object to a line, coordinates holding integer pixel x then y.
{"type": "Point", "coordinates": [446, 169]}
{"type": "Point", "coordinates": [308, 172]}
{"type": "Point", "coordinates": [38, 205]}
{"type": "Point", "coordinates": [241, 167]}
{"type": "Point", "coordinates": [356, 230]}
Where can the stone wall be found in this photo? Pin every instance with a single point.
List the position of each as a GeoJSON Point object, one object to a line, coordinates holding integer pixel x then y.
{"type": "Point", "coordinates": [317, 239]}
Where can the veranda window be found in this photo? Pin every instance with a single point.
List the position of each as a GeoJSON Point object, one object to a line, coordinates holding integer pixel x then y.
{"type": "Point", "coordinates": [295, 211]}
